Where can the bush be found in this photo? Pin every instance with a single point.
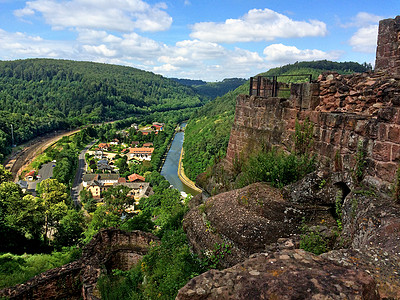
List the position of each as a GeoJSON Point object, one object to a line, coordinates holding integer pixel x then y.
{"type": "Point", "coordinates": [276, 168]}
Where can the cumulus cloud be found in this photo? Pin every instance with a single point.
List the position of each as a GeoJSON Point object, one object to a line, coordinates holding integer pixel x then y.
{"type": "Point", "coordinates": [363, 19]}
{"type": "Point", "coordinates": [118, 15]}
{"type": "Point", "coordinates": [365, 39]}
{"type": "Point", "coordinates": [21, 45]}
{"type": "Point", "coordinates": [279, 54]}
{"type": "Point", "coordinates": [257, 25]}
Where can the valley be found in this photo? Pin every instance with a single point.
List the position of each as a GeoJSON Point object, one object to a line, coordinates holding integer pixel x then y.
{"type": "Point", "coordinates": [285, 187]}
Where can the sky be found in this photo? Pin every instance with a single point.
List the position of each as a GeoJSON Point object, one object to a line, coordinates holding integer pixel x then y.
{"type": "Point", "coordinates": [194, 39]}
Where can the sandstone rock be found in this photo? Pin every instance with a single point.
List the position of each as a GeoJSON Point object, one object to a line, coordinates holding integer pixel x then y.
{"type": "Point", "coordinates": [289, 274]}
{"type": "Point", "coordinates": [247, 219]}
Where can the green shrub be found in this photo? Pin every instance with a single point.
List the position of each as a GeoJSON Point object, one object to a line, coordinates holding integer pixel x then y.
{"type": "Point", "coordinates": [15, 269]}
{"type": "Point", "coordinates": [276, 168]}
{"type": "Point", "coordinates": [313, 241]}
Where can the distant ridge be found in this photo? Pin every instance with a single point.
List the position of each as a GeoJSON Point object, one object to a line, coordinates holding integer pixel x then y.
{"type": "Point", "coordinates": [42, 95]}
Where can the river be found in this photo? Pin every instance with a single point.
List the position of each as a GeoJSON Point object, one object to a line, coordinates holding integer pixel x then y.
{"type": "Point", "coordinates": [170, 167]}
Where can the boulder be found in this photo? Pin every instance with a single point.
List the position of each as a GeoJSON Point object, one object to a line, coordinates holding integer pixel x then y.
{"type": "Point", "coordinates": [246, 221]}
{"type": "Point", "coordinates": [289, 274]}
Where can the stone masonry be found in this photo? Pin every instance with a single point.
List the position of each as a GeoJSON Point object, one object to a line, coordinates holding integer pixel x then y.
{"type": "Point", "coordinates": [110, 249]}
{"type": "Point", "coordinates": [350, 113]}
{"type": "Point", "coordinates": [388, 50]}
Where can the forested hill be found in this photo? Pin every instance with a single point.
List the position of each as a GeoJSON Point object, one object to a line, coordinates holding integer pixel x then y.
{"type": "Point", "coordinates": [212, 89]}
{"type": "Point", "coordinates": [42, 95]}
{"type": "Point", "coordinates": [207, 133]}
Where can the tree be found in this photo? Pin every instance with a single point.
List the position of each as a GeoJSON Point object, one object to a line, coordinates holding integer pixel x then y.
{"type": "Point", "coordinates": [5, 175]}
{"type": "Point", "coordinates": [69, 229]}
{"type": "Point", "coordinates": [23, 214]}
{"type": "Point", "coordinates": [54, 197]}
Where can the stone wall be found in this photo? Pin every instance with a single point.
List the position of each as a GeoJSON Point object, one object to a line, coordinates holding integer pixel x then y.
{"type": "Point", "coordinates": [109, 249]}
{"type": "Point", "coordinates": [388, 50]}
{"type": "Point", "coordinates": [349, 113]}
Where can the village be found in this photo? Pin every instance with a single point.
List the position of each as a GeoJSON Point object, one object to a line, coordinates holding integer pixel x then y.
{"type": "Point", "coordinates": [115, 162]}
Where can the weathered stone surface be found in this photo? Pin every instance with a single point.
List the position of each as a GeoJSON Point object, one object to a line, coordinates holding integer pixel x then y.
{"type": "Point", "coordinates": [248, 219]}
{"type": "Point", "coordinates": [110, 248]}
{"type": "Point", "coordinates": [289, 274]}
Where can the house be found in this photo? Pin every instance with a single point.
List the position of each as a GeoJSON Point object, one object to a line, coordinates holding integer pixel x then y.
{"type": "Point", "coordinates": [135, 177]}
{"type": "Point", "coordinates": [137, 189]}
{"type": "Point", "coordinates": [148, 145]}
{"type": "Point", "coordinates": [157, 126]}
{"type": "Point", "coordinates": [141, 153]}
{"type": "Point", "coordinates": [146, 132]}
{"type": "Point", "coordinates": [104, 146]}
{"type": "Point", "coordinates": [102, 165]}
{"type": "Point", "coordinates": [98, 183]}
{"type": "Point", "coordinates": [30, 176]}
{"type": "Point", "coordinates": [98, 154]}
{"type": "Point", "coordinates": [135, 143]}
{"type": "Point", "coordinates": [114, 142]}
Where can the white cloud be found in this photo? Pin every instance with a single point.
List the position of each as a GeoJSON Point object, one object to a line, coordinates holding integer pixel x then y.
{"type": "Point", "coordinates": [21, 45]}
{"type": "Point", "coordinates": [365, 39]}
{"type": "Point", "coordinates": [363, 19]}
{"type": "Point", "coordinates": [101, 50]}
{"type": "Point", "coordinates": [118, 15]}
{"type": "Point", "coordinates": [278, 54]}
{"type": "Point", "coordinates": [257, 25]}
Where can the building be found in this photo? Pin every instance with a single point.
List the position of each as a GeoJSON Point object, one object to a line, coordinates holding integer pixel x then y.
{"type": "Point", "coordinates": [103, 165]}
{"type": "Point", "coordinates": [104, 146]}
{"type": "Point", "coordinates": [136, 178]}
{"type": "Point", "coordinates": [141, 153]}
{"type": "Point", "coordinates": [97, 184]}
{"type": "Point", "coordinates": [148, 145]}
{"type": "Point", "coordinates": [30, 176]}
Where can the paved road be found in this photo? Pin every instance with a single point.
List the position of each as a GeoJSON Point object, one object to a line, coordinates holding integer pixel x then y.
{"type": "Point", "coordinates": [77, 186]}
{"type": "Point", "coordinates": [46, 171]}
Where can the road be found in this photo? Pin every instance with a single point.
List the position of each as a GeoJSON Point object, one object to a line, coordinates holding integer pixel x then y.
{"type": "Point", "coordinates": [77, 186]}
{"type": "Point", "coordinates": [45, 172]}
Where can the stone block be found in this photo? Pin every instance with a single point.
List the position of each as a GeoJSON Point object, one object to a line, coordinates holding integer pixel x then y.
{"type": "Point", "coordinates": [395, 153]}
{"type": "Point", "coordinates": [382, 151]}
{"type": "Point", "coordinates": [394, 134]}
{"type": "Point", "coordinates": [386, 171]}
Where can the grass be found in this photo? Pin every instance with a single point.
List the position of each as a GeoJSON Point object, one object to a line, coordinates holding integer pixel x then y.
{"type": "Point", "coordinates": [16, 269]}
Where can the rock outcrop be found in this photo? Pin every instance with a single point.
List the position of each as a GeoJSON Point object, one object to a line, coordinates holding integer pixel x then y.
{"type": "Point", "coordinates": [247, 221]}
{"type": "Point", "coordinates": [109, 249]}
{"type": "Point", "coordinates": [290, 274]}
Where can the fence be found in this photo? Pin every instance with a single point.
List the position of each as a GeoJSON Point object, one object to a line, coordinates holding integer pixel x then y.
{"type": "Point", "coordinates": [269, 86]}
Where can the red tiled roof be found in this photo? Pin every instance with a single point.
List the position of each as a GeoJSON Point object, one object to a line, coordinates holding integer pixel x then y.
{"type": "Point", "coordinates": [135, 177]}
{"type": "Point", "coordinates": [31, 173]}
{"type": "Point", "coordinates": [141, 150]}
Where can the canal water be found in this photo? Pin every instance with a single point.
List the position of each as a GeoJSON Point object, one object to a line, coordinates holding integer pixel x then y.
{"type": "Point", "coordinates": [170, 167]}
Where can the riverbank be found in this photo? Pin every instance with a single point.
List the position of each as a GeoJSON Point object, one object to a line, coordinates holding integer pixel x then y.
{"type": "Point", "coordinates": [185, 180]}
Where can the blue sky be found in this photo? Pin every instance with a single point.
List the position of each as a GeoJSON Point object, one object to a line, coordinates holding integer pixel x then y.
{"type": "Point", "coordinates": [196, 39]}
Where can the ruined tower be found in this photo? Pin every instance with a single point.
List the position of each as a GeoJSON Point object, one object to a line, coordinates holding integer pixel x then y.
{"type": "Point", "coordinates": [388, 50]}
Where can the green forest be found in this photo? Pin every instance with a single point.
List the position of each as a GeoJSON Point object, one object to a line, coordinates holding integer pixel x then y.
{"type": "Point", "coordinates": [38, 96]}
{"type": "Point", "coordinates": [207, 132]}
{"type": "Point", "coordinates": [213, 89]}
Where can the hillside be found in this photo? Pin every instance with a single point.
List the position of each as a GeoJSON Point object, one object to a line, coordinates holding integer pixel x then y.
{"type": "Point", "coordinates": [42, 95]}
{"type": "Point", "coordinates": [212, 89]}
{"type": "Point", "coordinates": [207, 133]}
